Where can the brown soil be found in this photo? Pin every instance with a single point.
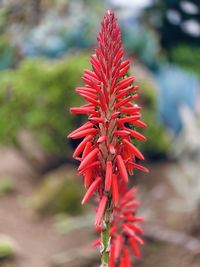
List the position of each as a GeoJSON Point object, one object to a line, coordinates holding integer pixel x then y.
{"type": "Point", "coordinates": [37, 239]}
{"type": "Point", "coordinates": [39, 242]}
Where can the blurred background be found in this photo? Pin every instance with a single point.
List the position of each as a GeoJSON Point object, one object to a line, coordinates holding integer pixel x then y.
{"type": "Point", "coordinates": [44, 47]}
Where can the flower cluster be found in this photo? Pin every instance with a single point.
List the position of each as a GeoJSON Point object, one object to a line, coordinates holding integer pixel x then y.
{"type": "Point", "coordinates": [107, 153]}
{"type": "Point", "coordinates": [125, 231]}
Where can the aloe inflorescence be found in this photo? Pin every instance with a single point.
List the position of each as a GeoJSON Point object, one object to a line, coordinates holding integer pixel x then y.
{"type": "Point", "coordinates": [107, 154]}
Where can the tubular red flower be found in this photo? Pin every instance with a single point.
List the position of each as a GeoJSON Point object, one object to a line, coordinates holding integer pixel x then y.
{"type": "Point", "coordinates": [83, 127]}
{"type": "Point", "coordinates": [88, 158]}
{"type": "Point", "coordinates": [118, 246]}
{"type": "Point", "coordinates": [108, 180]}
{"type": "Point", "coordinates": [136, 135]}
{"type": "Point", "coordinates": [82, 110]}
{"type": "Point", "coordinates": [115, 190]}
{"type": "Point", "coordinates": [91, 190]}
{"type": "Point", "coordinates": [122, 168]}
{"type": "Point", "coordinates": [133, 149]}
{"type": "Point", "coordinates": [101, 209]}
{"type": "Point", "coordinates": [81, 146]}
{"type": "Point", "coordinates": [127, 258]}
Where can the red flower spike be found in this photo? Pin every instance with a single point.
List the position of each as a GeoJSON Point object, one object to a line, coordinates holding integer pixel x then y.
{"type": "Point", "coordinates": [106, 153]}
{"type": "Point", "coordinates": [125, 231]}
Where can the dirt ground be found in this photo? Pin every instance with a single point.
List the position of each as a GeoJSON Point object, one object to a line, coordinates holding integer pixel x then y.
{"type": "Point", "coordinates": [38, 242]}
{"type": "Point", "coordinates": [36, 238]}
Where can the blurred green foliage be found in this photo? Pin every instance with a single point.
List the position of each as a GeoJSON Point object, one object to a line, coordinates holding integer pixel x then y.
{"type": "Point", "coordinates": [187, 57]}
{"type": "Point", "coordinates": [7, 248]}
{"type": "Point", "coordinates": [37, 96]}
{"type": "Point", "coordinates": [158, 141]}
{"type": "Point", "coordinates": [143, 43]}
{"type": "Point", "coordinates": [7, 186]}
{"type": "Point", "coordinates": [7, 53]}
{"type": "Point", "coordinates": [59, 191]}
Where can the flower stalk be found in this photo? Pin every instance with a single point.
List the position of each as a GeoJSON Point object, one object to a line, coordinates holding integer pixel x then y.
{"type": "Point", "coordinates": [105, 237]}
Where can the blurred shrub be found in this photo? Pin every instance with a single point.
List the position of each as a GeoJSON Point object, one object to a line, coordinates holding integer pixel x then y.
{"type": "Point", "coordinates": [177, 88]}
{"type": "Point", "coordinates": [7, 186]}
{"type": "Point", "coordinates": [37, 96]}
{"type": "Point", "coordinates": [158, 141]}
{"type": "Point", "coordinates": [140, 41]}
{"type": "Point", "coordinates": [7, 247]}
{"type": "Point", "coordinates": [56, 34]}
{"type": "Point", "coordinates": [6, 53]}
{"type": "Point", "coordinates": [187, 57]}
{"type": "Point", "coordinates": [59, 191]}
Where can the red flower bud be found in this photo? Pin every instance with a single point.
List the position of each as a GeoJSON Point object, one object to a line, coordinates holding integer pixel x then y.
{"type": "Point", "coordinates": [122, 168]}
{"type": "Point", "coordinates": [91, 190]}
{"type": "Point", "coordinates": [101, 209]}
{"type": "Point", "coordinates": [88, 158]}
{"type": "Point", "coordinates": [108, 180]}
{"type": "Point", "coordinates": [81, 146]}
{"type": "Point", "coordinates": [133, 149]}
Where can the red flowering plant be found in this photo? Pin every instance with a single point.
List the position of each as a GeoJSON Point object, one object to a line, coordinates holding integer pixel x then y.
{"type": "Point", "coordinates": [107, 153]}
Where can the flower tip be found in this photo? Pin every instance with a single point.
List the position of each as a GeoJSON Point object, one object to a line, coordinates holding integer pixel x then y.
{"type": "Point", "coordinates": [109, 12]}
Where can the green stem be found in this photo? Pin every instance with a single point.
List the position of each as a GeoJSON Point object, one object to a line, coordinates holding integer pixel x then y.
{"type": "Point", "coordinates": [105, 236]}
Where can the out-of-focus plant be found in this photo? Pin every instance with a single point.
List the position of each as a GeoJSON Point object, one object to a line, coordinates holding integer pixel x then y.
{"type": "Point", "coordinates": [187, 57]}
{"type": "Point", "coordinates": [6, 49]}
{"type": "Point", "coordinates": [177, 21]}
{"type": "Point", "coordinates": [158, 138]}
{"type": "Point", "coordinates": [34, 97]}
{"type": "Point", "coordinates": [177, 88]}
{"type": "Point", "coordinates": [143, 42]}
{"type": "Point", "coordinates": [6, 53]}
{"type": "Point", "coordinates": [59, 192]}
